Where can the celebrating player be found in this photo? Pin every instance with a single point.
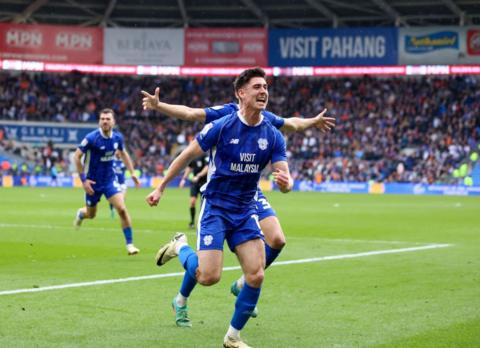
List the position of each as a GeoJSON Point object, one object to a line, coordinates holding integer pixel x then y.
{"type": "Point", "coordinates": [99, 148]}
{"type": "Point", "coordinates": [240, 145]}
{"type": "Point", "coordinates": [274, 236]}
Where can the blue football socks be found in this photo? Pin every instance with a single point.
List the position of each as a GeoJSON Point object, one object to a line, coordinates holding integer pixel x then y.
{"type": "Point", "coordinates": [246, 301]}
{"type": "Point", "coordinates": [127, 232]}
{"type": "Point", "coordinates": [189, 260]}
{"type": "Point", "coordinates": [270, 255]}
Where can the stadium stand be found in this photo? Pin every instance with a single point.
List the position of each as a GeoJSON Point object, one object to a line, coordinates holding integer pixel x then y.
{"type": "Point", "coordinates": [402, 129]}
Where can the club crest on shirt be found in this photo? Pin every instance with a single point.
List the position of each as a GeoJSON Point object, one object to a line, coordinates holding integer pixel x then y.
{"type": "Point", "coordinates": [262, 143]}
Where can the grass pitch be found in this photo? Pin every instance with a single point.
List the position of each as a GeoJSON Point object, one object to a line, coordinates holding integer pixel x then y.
{"type": "Point", "coordinates": [414, 298]}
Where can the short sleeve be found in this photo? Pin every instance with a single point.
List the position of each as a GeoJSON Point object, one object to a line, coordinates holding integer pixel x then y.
{"type": "Point", "coordinates": [275, 120]}
{"type": "Point", "coordinates": [209, 135]}
{"type": "Point", "coordinates": [85, 144]}
{"type": "Point", "coordinates": [120, 142]}
{"type": "Point", "coordinates": [216, 112]}
{"type": "Point", "coordinates": [279, 151]}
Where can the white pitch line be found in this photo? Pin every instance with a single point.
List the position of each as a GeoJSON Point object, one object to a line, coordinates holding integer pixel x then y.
{"type": "Point", "coordinates": [365, 241]}
{"type": "Point", "coordinates": [68, 227]}
{"type": "Point", "coordinates": [177, 274]}
{"type": "Point", "coordinates": [112, 229]}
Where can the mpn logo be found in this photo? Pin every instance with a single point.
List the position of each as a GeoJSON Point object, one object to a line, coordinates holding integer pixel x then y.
{"type": "Point", "coordinates": [24, 38]}
{"type": "Point", "coordinates": [74, 41]}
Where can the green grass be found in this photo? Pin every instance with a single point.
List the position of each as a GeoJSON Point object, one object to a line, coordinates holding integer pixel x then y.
{"type": "Point", "coordinates": [427, 298]}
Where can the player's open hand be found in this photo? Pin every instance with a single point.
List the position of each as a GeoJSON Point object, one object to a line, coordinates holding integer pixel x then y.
{"type": "Point", "coordinates": [150, 102]}
{"type": "Point", "coordinates": [283, 180]}
{"type": "Point", "coordinates": [182, 183]}
{"type": "Point", "coordinates": [136, 181]}
{"type": "Point", "coordinates": [87, 186]}
{"type": "Point", "coordinates": [153, 198]}
{"type": "Point", "coordinates": [325, 124]}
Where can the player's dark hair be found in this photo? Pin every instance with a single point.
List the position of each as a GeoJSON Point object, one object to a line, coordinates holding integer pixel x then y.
{"type": "Point", "coordinates": [245, 76]}
{"type": "Point", "coordinates": [108, 111]}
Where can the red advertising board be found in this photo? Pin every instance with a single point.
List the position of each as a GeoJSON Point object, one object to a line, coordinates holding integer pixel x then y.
{"type": "Point", "coordinates": [226, 47]}
{"type": "Point", "coordinates": [66, 44]}
{"type": "Point", "coordinates": [473, 42]}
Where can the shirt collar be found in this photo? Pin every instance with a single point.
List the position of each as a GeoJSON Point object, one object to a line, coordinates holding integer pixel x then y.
{"type": "Point", "coordinates": [244, 121]}
{"type": "Point", "coordinates": [103, 135]}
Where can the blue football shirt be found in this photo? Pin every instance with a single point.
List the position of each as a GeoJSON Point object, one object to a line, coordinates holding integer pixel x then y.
{"type": "Point", "coordinates": [215, 112]}
{"type": "Point", "coordinates": [99, 155]}
{"type": "Point", "coordinates": [119, 169]}
{"type": "Point", "coordinates": [238, 154]}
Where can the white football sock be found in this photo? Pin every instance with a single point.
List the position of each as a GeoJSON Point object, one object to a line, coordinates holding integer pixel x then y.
{"type": "Point", "coordinates": [232, 332]}
{"type": "Point", "coordinates": [241, 282]}
{"type": "Point", "coordinates": [181, 300]}
{"type": "Point", "coordinates": [179, 246]}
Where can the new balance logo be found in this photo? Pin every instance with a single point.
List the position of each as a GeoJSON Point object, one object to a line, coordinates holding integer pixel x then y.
{"type": "Point", "coordinates": [234, 141]}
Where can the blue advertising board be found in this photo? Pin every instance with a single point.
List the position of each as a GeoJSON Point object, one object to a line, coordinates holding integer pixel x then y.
{"type": "Point", "coordinates": [333, 47]}
{"type": "Point", "coordinates": [387, 188]}
{"type": "Point", "coordinates": [340, 187]}
{"type": "Point", "coordinates": [437, 189]}
{"type": "Point", "coordinates": [41, 132]}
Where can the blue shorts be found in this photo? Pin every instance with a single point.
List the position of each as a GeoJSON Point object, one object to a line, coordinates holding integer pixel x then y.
{"type": "Point", "coordinates": [217, 225]}
{"type": "Point", "coordinates": [264, 209]}
{"type": "Point", "coordinates": [107, 189]}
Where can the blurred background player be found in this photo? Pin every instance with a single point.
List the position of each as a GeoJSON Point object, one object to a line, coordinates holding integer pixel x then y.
{"type": "Point", "coordinates": [119, 169]}
{"type": "Point", "coordinates": [197, 170]}
{"type": "Point", "coordinates": [98, 177]}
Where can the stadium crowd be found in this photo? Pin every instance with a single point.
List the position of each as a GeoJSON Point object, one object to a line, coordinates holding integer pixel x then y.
{"type": "Point", "coordinates": [403, 129]}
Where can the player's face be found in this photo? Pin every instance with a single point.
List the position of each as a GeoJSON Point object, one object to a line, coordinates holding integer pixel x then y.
{"type": "Point", "coordinates": [255, 93]}
{"type": "Point", "coordinates": [106, 122]}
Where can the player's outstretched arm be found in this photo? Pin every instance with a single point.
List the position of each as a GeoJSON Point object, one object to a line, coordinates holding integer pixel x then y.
{"type": "Point", "coordinates": [297, 124]}
{"type": "Point", "coordinates": [127, 160]}
{"type": "Point", "coordinates": [281, 175]}
{"type": "Point", "coordinates": [182, 112]}
{"type": "Point", "coordinates": [191, 152]}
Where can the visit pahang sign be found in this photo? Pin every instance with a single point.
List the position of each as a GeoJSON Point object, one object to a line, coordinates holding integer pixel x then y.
{"type": "Point", "coordinates": [333, 47]}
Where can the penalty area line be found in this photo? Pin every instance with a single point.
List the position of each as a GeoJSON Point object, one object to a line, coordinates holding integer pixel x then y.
{"type": "Point", "coordinates": [232, 268]}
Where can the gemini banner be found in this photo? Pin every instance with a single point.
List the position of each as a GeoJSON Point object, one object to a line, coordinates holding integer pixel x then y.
{"type": "Point", "coordinates": [39, 133]}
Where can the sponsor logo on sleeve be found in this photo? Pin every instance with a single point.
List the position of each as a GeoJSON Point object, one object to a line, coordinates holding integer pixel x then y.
{"type": "Point", "coordinates": [206, 129]}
